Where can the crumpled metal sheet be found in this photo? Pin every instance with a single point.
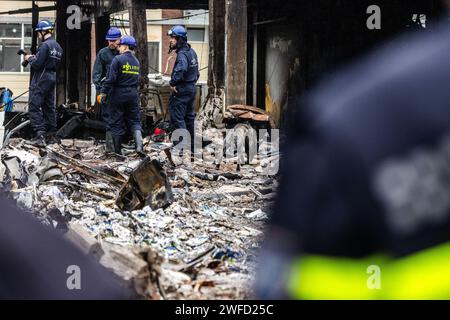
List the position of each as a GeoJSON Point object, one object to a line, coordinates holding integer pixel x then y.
{"type": "Point", "coordinates": [47, 170]}
{"type": "Point", "coordinates": [15, 169]}
{"type": "Point", "coordinates": [147, 185]}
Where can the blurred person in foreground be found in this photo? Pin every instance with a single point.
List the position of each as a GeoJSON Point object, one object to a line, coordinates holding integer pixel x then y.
{"type": "Point", "coordinates": [35, 263]}
{"type": "Point", "coordinates": [363, 210]}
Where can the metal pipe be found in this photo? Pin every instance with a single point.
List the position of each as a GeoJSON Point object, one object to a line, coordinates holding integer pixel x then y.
{"type": "Point", "coordinates": [10, 133]}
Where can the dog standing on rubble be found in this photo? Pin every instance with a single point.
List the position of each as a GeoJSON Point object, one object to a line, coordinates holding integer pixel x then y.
{"type": "Point", "coordinates": [42, 109]}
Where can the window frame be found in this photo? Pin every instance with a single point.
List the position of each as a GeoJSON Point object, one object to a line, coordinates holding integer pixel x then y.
{"type": "Point", "coordinates": [22, 44]}
{"type": "Point", "coordinates": [205, 38]}
{"type": "Point", "coordinates": [152, 72]}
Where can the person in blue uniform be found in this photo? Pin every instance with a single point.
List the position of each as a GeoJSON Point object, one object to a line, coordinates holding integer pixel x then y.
{"type": "Point", "coordinates": [42, 109]}
{"type": "Point", "coordinates": [184, 78]}
{"type": "Point", "coordinates": [120, 89]}
{"type": "Point", "coordinates": [102, 63]}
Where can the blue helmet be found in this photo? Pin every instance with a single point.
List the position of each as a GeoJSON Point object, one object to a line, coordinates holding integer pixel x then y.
{"type": "Point", "coordinates": [113, 34]}
{"type": "Point", "coordinates": [44, 25]}
{"type": "Point", "coordinates": [129, 41]}
{"type": "Point", "coordinates": [178, 31]}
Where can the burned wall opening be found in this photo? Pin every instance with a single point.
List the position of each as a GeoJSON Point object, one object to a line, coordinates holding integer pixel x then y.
{"type": "Point", "coordinates": [299, 43]}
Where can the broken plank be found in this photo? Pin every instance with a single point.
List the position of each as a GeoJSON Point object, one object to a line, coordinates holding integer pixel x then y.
{"type": "Point", "coordinates": [133, 268]}
{"type": "Point", "coordinates": [84, 241]}
{"type": "Point", "coordinates": [200, 258]}
{"type": "Point", "coordinates": [87, 170]}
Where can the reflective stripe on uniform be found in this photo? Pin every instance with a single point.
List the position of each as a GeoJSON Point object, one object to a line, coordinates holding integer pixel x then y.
{"type": "Point", "coordinates": [424, 275]}
{"type": "Point", "coordinates": [131, 72]}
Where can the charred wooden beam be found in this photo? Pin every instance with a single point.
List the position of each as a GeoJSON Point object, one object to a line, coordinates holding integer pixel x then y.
{"type": "Point", "coordinates": [216, 76]}
{"type": "Point", "coordinates": [85, 61]}
{"type": "Point", "coordinates": [138, 23]}
{"type": "Point", "coordinates": [236, 54]}
{"type": "Point", "coordinates": [34, 22]}
{"type": "Point", "coordinates": [121, 5]}
{"type": "Point", "coordinates": [102, 24]}
{"type": "Point", "coordinates": [177, 4]}
{"type": "Point", "coordinates": [138, 28]}
{"type": "Point", "coordinates": [211, 113]}
{"type": "Point", "coordinates": [61, 37]}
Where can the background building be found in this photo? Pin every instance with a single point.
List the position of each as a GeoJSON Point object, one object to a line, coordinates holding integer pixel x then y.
{"type": "Point", "coordinates": [16, 33]}
{"type": "Point", "coordinates": [159, 22]}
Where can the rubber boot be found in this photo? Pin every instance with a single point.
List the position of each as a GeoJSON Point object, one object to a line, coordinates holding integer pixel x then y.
{"type": "Point", "coordinates": [117, 142]}
{"type": "Point", "coordinates": [39, 139]}
{"type": "Point", "coordinates": [109, 143]}
{"type": "Point", "coordinates": [139, 144]}
{"type": "Point", "coordinates": [52, 138]}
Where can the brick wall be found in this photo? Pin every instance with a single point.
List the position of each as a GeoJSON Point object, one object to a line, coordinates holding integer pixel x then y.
{"type": "Point", "coordinates": [166, 14]}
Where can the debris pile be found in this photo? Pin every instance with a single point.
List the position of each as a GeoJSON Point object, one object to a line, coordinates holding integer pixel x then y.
{"type": "Point", "coordinates": [192, 229]}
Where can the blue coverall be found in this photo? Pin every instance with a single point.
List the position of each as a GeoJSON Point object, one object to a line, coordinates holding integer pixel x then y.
{"type": "Point", "coordinates": [121, 86]}
{"type": "Point", "coordinates": [41, 108]}
{"type": "Point", "coordinates": [184, 77]}
{"type": "Point", "coordinates": [102, 64]}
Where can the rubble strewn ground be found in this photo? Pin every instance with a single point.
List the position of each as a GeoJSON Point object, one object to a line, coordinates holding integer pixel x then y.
{"type": "Point", "coordinates": [207, 237]}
